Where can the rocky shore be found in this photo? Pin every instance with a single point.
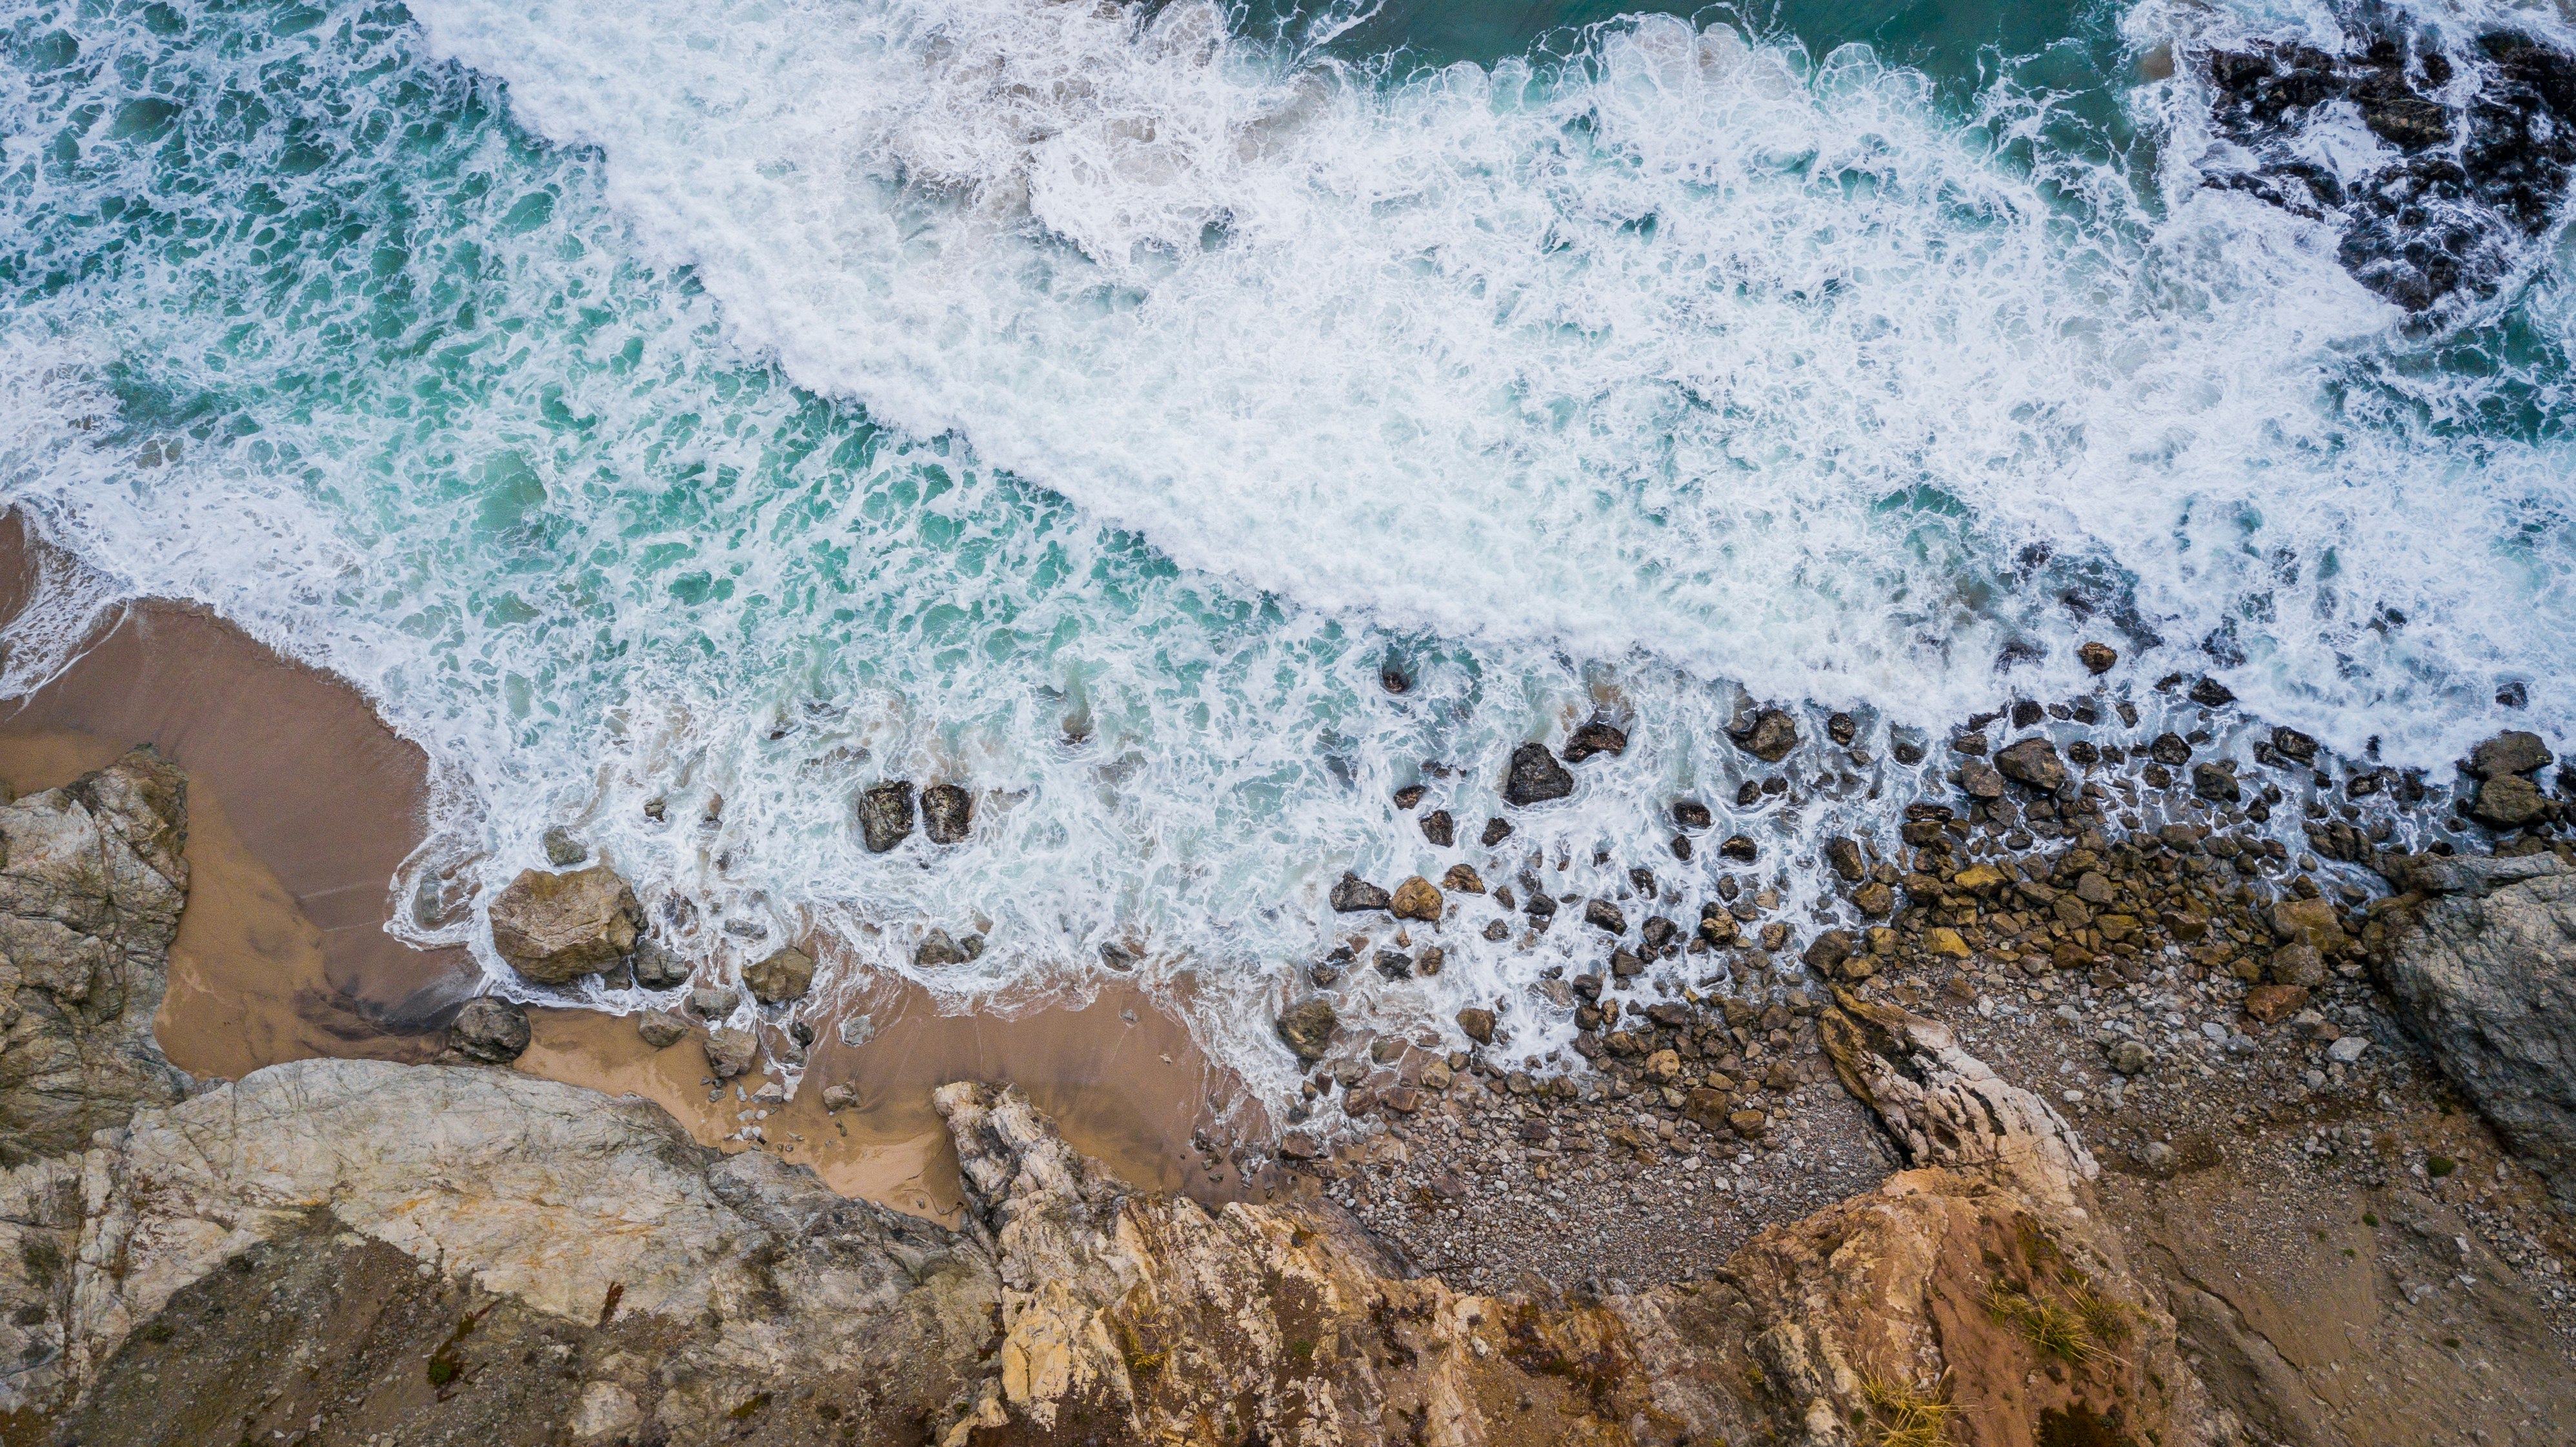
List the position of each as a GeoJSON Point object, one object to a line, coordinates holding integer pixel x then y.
{"type": "Point", "coordinates": [2089, 1113]}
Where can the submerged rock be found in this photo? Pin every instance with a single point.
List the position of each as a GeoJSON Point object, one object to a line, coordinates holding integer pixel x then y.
{"type": "Point", "coordinates": [490, 1031]}
{"type": "Point", "coordinates": [555, 928]}
{"type": "Point", "coordinates": [1595, 738]}
{"type": "Point", "coordinates": [1535, 778]}
{"type": "Point", "coordinates": [947, 814]}
{"type": "Point", "coordinates": [885, 815]}
{"type": "Point", "coordinates": [562, 849]}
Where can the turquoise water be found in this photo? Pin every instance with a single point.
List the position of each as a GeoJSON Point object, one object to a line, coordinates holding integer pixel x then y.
{"type": "Point", "coordinates": [722, 408]}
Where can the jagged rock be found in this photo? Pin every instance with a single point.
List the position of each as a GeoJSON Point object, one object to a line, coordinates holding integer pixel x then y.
{"type": "Point", "coordinates": [1417, 898]}
{"type": "Point", "coordinates": [2169, 749]}
{"type": "Point", "coordinates": [937, 948]}
{"type": "Point", "coordinates": [2511, 752]}
{"type": "Point", "coordinates": [783, 976]}
{"type": "Point", "coordinates": [1601, 914]}
{"type": "Point", "coordinates": [1463, 879]}
{"type": "Point", "coordinates": [2215, 782]}
{"type": "Point", "coordinates": [730, 1051]}
{"type": "Point", "coordinates": [1440, 828]}
{"type": "Point", "coordinates": [885, 815]}
{"type": "Point", "coordinates": [1354, 895]}
{"type": "Point", "coordinates": [714, 1002]}
{"type": "Point", "coordinates": [1308, 1027]}
{"type": "Point", "coordinates": [555, 928]}
{"type": "Point", "coordinates": [493, 1032]}
{"type": "Point", "coordinates": [660, 1028]}
{"type": "Point", "coordinates": [1478, 1023]}
{"type": "Point", "coordinates": [1980, 779]}
{"type": "Point", "coordinates": [1595, 738]}
{"type": "Point", "coordinates": [91, 885]}
{"type": "Point", "coordinates": [1769, 735]}
{"type": "Point", "coordinates": [1535, 778]}
{"type": "Point", "coordinates": [1496, 831]}
{"type": "Point", "coordinates": [1944, 1105]}
{"type": "Point", "coordinates": [2481, 959]}
{"type": "Point", "coordinates": [947, 814]}
{"type": "Point", "coordinates": [656, 968]}
{"type": "Point", "coordinates": [1844, 856]}
{"type": "Point", "coordinates": [2033, 762]}
{"type": "Point", "coordinates": [2295, 746]}
{"type": "Point", "coordinates": [1691, 814]}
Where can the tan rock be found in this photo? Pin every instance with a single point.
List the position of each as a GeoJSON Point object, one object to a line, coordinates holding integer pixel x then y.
{"type": "Point", "coordinates": [1945, 942]}
{"type": "Point", "coordinates": [1417, 898]}
{"type": "Point", "coordinates": [783, 976]}
{"type": "Point", "coordinates": [556, 928]}
{"type": "Point", "coordinates": [730, 1051]}
{"type": "Point", "coordinates": [1462, 880]}
{"type": "Point", "coordinates": [2272, 1004]}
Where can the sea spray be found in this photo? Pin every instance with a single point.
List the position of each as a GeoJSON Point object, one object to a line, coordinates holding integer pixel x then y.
{"type": "Point", "coordinates": [678, 419]}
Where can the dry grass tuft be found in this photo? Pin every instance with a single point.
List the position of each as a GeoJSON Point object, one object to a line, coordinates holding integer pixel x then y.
{"type": "Point", "coordinates": [1907, 1416]}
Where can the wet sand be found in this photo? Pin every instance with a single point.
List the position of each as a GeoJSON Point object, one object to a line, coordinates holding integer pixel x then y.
{"type": "Point", "coordinates": [303, 803]}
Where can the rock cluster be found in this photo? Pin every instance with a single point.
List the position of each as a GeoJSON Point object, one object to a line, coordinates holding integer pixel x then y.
{"type": "Point", "coordinates": [2483, 139]}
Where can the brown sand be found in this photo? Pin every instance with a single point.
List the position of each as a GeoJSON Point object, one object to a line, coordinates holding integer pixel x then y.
{"type": "Point", "coordinates": [1121, 1078]}
{"type": "Point", "coordinates": [302, 805]}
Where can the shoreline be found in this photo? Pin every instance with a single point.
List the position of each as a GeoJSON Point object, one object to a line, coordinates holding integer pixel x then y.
{"type": "Point", "coordinates": [305, 803]}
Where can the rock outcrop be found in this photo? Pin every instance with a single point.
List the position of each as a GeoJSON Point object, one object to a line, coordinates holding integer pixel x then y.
{"type": "Point", "coordinates": [2480, 955]}
{"type": "Point", "coordinates": [441, 1250]}
{"type": "Point", "coordinates": [91, 885]}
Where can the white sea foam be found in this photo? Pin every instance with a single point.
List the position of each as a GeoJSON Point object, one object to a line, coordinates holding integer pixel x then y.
{"type": "Point", "coordinates": [1598, 387]}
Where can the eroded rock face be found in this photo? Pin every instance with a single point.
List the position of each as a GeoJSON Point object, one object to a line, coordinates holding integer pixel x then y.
{"type": "Point", "coordinates": [91, 885]}
{"type": "Point", "coordinates": [556, 928]}
{"type": "Point", "coordinates": [2481, 958]}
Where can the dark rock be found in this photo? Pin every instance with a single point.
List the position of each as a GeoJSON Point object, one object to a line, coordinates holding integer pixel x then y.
{"type": "Point", "coordinates": [2210, 693]}
{"type": "Point", "coordinates": [2033, 762]}
{"type": "Point", "coordinates": [1769, 735]}
{"type": "Point", "coordinates": [947, 814]}
{"type": "Point", "coordinates": [1308, 1029]}
{"type": "Point", "coordinates": [1409, 795]}
{"type": "Point", "coordinates": [1439, 828]}
{"type": "Point", "coordinates": [2295, 746]}
{"type": "Point", "coordinates": [1595, 738]}
{"type": "Point", "coordinates": [1496, 831]}
{"type": "Point", "coordinates": [1354, 895]}
{"type": "Point", "coordinates": [1478, 1023]}
{"type": "Point", "coordinates": [1535, 778]}
{"type": "Point", "coordinates": [1740, 848]}
{"type": "Point", "coordinates": [1980, 779]}
{"type": "Point", "coordinates": [660, 1029]}
{"type": "Point", "coordinates": [783, 976]}
{"type": "Point", "coordinates": [656, 968]}
{"type": "Point", "coordinates": [562, 850]}
{"type": "Point", "coordinates": [2216, 783]}
{"type": "Point", "coordinates": [1748, 794]}
{"type": "Point", "coordinates": [2026, 714]}
{"type": "Point", "coordinates": [1691, 814]}
{"type": "Point", "coordinates": [2098, 658]}
{"type": "Point", "coordinates": [1845, 857]}
{"type": "Point", "coordinates": [1463, 880]}
{"type": "Point", "coordinates": [1395, 964]}
{"type": "Point", "coordinates": [2169, 750]}
{"type": "Point", "coordinates": [1906, 751]}
{"type": "Point", "coordinates": [2511, 752]}
{"type": "Point", "coordinates": [555, 928]}
{"type": "Point", "coordinates": [494, 1032]}
{"type": "Point", "coordinates": [1829, 949]}
{"type": "Point", "coordinates": [1602, 914]}
{"type": "Point", "coordinates": [1540, 903]}
{"type": "Point", "coordinates": [885, 815]}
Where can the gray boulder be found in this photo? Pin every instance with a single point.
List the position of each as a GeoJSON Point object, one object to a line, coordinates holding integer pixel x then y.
{"type": "Point", "coordinates": [490, 1031]}
{"type": "Point", "coordinates": [91, 885]}
{"type": "Point", "coordinates": [556, 928]}
{"type": "Point", "coordinates": [2481, 960]}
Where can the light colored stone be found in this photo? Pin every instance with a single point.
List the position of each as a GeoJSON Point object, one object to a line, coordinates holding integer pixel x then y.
{"type": "Point", "coordinates": [556, 928]}
{"type": "Point", "coordinates": [606, 1411]}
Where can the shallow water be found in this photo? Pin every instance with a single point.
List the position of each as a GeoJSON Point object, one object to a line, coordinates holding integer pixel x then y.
{"type": "Point", "coordinates": [712, 410]}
